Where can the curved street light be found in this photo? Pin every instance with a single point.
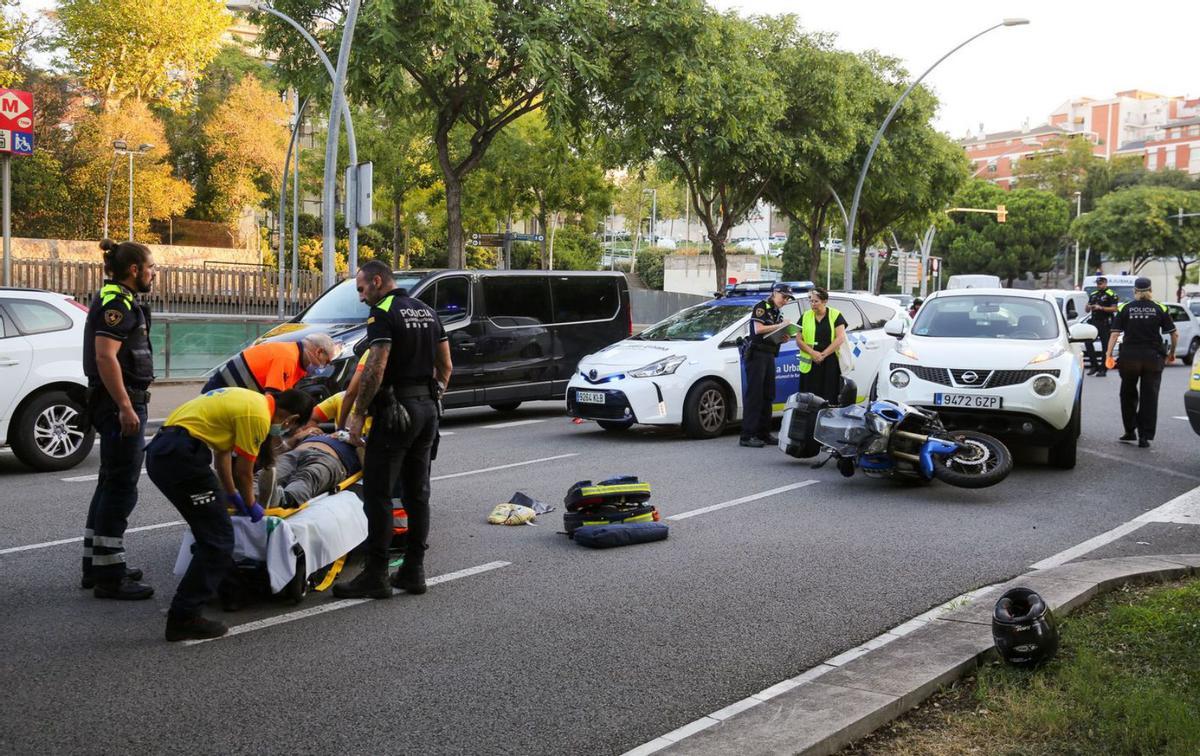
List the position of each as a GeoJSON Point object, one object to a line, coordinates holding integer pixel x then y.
{"type": "Point", "coordinates": [338, 109]}
{"type": "Point", "coordinates": [862, 176]}
{"type": "Point", "coordinates": [121, 147]}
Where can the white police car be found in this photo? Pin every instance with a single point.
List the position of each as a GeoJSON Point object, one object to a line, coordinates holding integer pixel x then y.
{"type": "Point", "coordinates": [686, 370]}
{"type": "Point", "coordinates": [996, 360]}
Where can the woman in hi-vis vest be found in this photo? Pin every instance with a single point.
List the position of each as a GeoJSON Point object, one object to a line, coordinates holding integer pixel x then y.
{"type": "Point", "coordinates": [822, 333]}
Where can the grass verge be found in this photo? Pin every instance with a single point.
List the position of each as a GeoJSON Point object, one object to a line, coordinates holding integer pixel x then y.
{"type": "Point", "coordinates": [1126, 681]}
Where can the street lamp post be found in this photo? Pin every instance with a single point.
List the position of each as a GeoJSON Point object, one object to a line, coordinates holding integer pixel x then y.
{"type": "Point", "coordinates": [862, 176]}
{"type": "Point", "coordinates": [121, 147]}
{"type": "Point", "coordinates": [653, 215]}
{"type": "Point", "coordinates": [338, 110]}
{"type": "Point", "coordinates": [1079, 207]}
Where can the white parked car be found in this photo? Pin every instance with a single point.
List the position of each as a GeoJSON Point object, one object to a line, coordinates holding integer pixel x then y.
{"type": "Point", "coordinates": [1072, 303]}
{"type": "Point", "coordinates": [1188, 326]}
{"type": "Point", "coordinates": [995, 360]}
{"type": "Point", "coordinates": [41, 363]}
{"type": "Point", "coordinates": [686, 370]}
{"type": "Point", "coordinates": [973, 281]}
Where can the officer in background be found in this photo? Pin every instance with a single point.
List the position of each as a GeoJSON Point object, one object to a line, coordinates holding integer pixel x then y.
{"type": "Point", "coordinates": [1143, 321]}
{"type": "Point", "coordinates": [1102, 304]}
{"type": "Point", "coordinates": [758, 361]}
{"type": "Point", "coordinates": [405, 375]}
{"type": "Point", "coordinates": [119, 366]}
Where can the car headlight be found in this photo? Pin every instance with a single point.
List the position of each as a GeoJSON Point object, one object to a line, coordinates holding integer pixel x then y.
{"type": "Point", "coordinates": [346, 350]}
{"type": "Point", "coordinates": [1044, 385]}
{"type": "Point", "coordinates": [906, 349]}
{"type": "Point", "coordinates": [1047, 355]}
{"type": "Point", "coordinates": [898, 378]}
{"type": "Point", "coordinates": [665, 366]}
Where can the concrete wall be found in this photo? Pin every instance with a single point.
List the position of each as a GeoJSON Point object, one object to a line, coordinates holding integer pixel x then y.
{"type": "Point", "coordinates": [89, 251]}
{"type": "Point", "coordinates": [697, 274]}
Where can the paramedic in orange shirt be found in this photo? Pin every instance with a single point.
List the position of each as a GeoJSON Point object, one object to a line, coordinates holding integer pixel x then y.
{"type": "Point", "coordinates": [276, 365]}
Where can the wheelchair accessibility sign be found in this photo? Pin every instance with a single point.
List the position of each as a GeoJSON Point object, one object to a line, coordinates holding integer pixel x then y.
{"type": "Point", "coordinates": [16, 142]}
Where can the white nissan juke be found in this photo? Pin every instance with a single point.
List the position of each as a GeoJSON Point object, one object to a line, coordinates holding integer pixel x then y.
{"type": "Point", "coordinates": [996, 360]}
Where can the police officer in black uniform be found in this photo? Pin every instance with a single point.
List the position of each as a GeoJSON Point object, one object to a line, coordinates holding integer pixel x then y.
{"type": "Point", "coordinates": [758, 359]}
{"type": "Point", "coordinates": [1102, 304]}
{"type": "Point", "coordinates": [1143, 321]}
{"type": "Point", "coordinates": [401, 384]}
{"type": "Point", "coordinates": [119, 367]}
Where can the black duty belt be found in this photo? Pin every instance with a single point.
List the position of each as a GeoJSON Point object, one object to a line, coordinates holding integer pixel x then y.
{"type": "Point", "coordinates": [138, 396]}
{"type": "Point", "coordinates": [412, 391]}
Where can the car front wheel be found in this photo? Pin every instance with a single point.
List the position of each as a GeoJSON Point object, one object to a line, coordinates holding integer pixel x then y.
{"type": "Point", "coordinates": [47, 435]}
{"type": "Point", "coordinates": [1063, 454]}
{"type": "Point", "coordinates": [706, 411]}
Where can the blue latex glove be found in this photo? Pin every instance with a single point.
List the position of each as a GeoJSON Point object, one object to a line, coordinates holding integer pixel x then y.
{"type": "Point", "coordinates": [255, 512]}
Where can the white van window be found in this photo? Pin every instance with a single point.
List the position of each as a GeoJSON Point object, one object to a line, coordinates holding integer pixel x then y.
{"type": "Point", "coordinates": [518, 301]}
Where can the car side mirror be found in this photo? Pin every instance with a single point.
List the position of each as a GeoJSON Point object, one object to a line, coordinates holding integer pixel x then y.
{"type": "Point", "coordinates": [1083, 332]}
{"type": "Point", "coordinates": [895, 327]}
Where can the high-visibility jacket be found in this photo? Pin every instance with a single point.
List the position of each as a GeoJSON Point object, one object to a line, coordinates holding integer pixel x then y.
{"type": "Point", "coordinates": [808, 332]}
{"type": "Point", "coordinates": [273, 365]}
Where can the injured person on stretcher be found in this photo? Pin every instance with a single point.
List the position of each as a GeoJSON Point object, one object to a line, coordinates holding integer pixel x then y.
{"type": "Point", "coordinates": [315, 466]}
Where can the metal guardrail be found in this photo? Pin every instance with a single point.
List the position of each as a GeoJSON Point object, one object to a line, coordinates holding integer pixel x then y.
{"type": "Point", "coordinates": [188, 346]}
{"type": "Point", "coordinates": [187, 289]}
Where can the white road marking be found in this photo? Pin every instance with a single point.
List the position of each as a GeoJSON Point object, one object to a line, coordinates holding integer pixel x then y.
{"type": "Point", "coordinates": [1143, 465]}
{"type": "Point", "coordinates": [445, 433]}
{"type": "Point", "coordinates": [1184, 509]}
{"type": "Point", "coordinates": [48, 544]}
{"type": "Point", "coordinates": [513, 424]}
{"type": "Point", "coordinates": [86, 478]}
{"type": "Point", "coordinates": [503, 467]}
{"type": "Point", "coordinates": [743, 500]}
{"type": "Point", "coordinates": [334, 606]}
{"type": "Point", "coordinates": [1179, 417]}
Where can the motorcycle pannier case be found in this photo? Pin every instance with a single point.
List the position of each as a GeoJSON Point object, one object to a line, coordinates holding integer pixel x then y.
{"type": "Point", "coordinates": [799, 422]}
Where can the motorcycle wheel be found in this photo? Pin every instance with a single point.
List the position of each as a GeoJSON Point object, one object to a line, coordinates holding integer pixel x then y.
{"type": "Point", "coordinates": [981, 461]}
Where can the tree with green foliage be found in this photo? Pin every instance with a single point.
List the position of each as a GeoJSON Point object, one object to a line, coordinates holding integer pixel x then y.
{"type": "Point", "coordinates": [1027, 242]}
{"type": "Point", "coordinates": [1063, 167]}
{"type": "Point", "coordinates": [152, 51]}
{"type": "Point", "coordinates": [1133, 225]}
{"type": "Point", "coordinates": [473, 65]}
{"type": "Point", "coordinates": [693, 89]}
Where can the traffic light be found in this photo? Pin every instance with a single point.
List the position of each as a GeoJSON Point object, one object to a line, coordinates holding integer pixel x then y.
{"type": "Point", "coordinates": [1001, 213]}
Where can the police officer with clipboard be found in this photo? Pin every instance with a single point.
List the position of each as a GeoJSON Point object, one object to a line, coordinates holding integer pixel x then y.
{"type": "Point", "coordinates": [758, 359]}
{"type": "Point", "coordinates": [119, 366]}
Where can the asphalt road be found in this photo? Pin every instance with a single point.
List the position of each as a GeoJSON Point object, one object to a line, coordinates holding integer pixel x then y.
{"type": "Point", "coordinates": [555, 648]}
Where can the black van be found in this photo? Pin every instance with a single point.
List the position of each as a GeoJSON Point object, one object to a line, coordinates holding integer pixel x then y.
{"type": "Point", "coordinates": [514, 335]}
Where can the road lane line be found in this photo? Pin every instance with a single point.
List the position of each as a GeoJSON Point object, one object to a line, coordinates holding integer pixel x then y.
{"type": "Point", "coordinates": [334, 606]}
{"type": "Point", "coordinates": [743, 500]}
{"type": "Point", "coordinates": [1180, 417]}
{"type": "Point", "coordinates": [513, 424]}
{"type": "Point", "coordinates": [502, 467]}
{"type": "Point", "coordinates": [86, 478]}
{"type": "Point", "coordinates": [1134, 463]}
{"type": "Point", "coordinates": [48, 544]}
{"type": "Point", "coordinates": [1184, 508]}
{"type": "Point", "coordinates": [463, 474]}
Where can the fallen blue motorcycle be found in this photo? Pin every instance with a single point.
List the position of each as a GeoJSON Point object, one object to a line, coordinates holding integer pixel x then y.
{"type": "Point", "coordinates": [888, 439]}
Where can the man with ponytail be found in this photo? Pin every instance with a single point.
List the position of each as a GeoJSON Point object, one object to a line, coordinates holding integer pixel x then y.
{"type": "Point", "coordinates": [119, 366]}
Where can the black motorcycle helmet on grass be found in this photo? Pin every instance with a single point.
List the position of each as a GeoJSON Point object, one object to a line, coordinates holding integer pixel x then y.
{"type": "Point", "coordinates": [1024, 629]}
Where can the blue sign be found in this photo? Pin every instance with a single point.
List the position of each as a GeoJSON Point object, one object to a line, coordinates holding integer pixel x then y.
{"type": "Point", "coordinates": [22, 142]}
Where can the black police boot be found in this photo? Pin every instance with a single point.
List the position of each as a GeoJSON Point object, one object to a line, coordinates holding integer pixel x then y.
{"type": "Point", "coordinates": [88, 581]}
{"type": "Point", "coordinates": [410, 578]}
{"type": "Point", "coordinates": [193, 628]}
{"type": "Point", "coordinates": [1128, 438]}
{"type": "Point", "coordinates": [123, 589]}
{"type": "Point", "coordinates": [770, 439]}
{"type": "Point", "coordinates": [370, 583]}
{"type": "Point", "coordinates": [1144, 443]}
{"type": "Point", "coordinates": [753, 443]}
{"type": "Point", "coordinates": [1093, 371]}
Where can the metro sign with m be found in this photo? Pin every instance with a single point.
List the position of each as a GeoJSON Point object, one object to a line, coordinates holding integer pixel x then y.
{"type": "Point", "coordinates": [16, 110]}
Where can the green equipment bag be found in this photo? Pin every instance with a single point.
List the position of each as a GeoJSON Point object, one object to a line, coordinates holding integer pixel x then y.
{"type": "Point", "coordinates": [622, 490]}
{"type": "Point", "coordinates": [606, 514]}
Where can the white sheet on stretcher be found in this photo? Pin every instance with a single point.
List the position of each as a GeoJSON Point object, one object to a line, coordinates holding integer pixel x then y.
{"type": "Point", "coordinates": [326, 529]}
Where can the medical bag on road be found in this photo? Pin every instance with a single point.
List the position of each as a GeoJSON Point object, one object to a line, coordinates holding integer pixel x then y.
{"type": "Point", "coordinates": [620, 491]}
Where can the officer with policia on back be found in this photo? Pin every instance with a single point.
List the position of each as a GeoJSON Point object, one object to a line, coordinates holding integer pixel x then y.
{"type": "Point", "coordinates": [1144, 322]}
{"type": "Point", "coordinates": [758, 357]}
{"type": "Point", "coordinates": [276, 365]}
{"type": "Point", "coordinates": [401, 384]}
{"type": "Point", "coordinates": [119, 366]}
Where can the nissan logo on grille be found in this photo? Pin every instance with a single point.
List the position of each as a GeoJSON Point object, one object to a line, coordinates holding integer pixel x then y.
{"type": "Point", "coordinates": [970, 377]}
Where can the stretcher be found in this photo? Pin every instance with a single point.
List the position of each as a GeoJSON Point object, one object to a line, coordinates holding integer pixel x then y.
{"type": "Point", "coordinates": [300, 549]}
